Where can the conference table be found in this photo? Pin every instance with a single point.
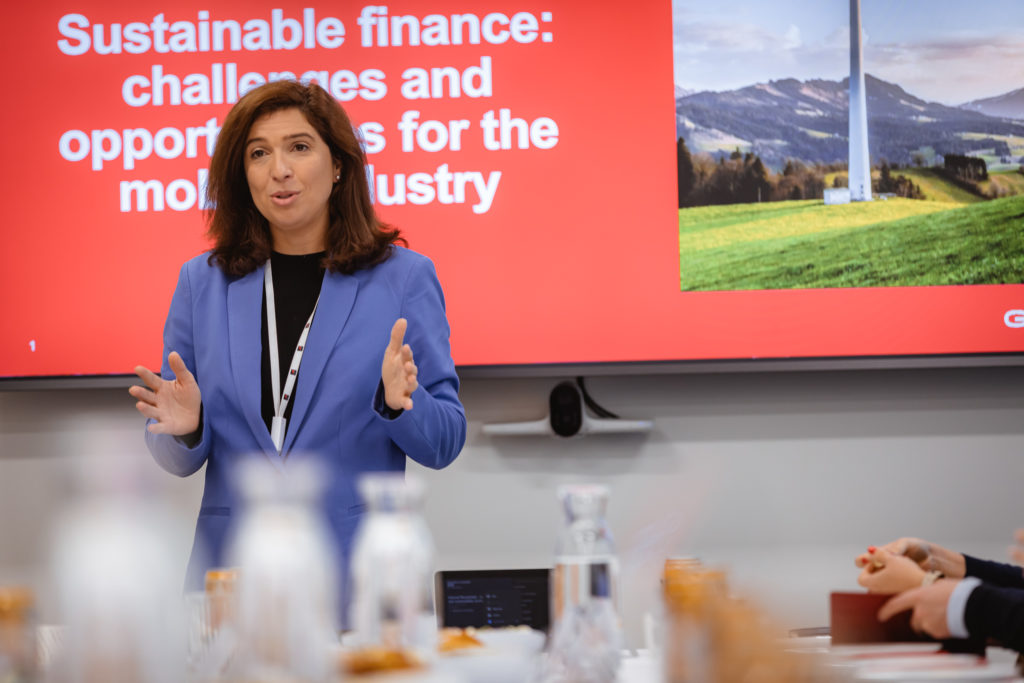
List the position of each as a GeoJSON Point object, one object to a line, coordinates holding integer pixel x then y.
{"type": "Point", "coordinates": [894, 662]}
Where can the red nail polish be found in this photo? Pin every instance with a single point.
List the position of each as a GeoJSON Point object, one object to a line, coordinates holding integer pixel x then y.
{"type": "Point", "coordinates": [872, 548]}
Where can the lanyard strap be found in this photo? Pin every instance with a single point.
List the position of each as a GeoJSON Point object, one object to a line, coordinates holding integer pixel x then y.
{"type": "Point", "coordinates": [279, 399]}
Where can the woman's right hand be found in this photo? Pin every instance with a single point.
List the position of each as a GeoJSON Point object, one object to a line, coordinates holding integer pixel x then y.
{"type": "Point", "coordinates": [928, 556]}
{"type": "Point", "coordinates": [173, 404]}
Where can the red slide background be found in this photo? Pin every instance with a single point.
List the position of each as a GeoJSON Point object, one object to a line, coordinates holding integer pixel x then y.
{"type": "Point", "coordinates": [577, 260]}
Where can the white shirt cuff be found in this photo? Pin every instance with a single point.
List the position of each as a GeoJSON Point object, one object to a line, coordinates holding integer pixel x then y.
{"type": "Point", "coordinates": [957, 606]}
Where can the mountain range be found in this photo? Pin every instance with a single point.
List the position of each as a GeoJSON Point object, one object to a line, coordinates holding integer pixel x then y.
{"type": "Point", "coordinates": [1009, 105]}
{"type": "Point", "coordinates": [808, 121]}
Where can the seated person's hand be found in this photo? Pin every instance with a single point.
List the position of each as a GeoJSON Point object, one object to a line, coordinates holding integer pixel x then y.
{"type": "Point", "coordinates": [928, 556]}
{"type": "Point", "coordinates": [929, 608]}
{"type": "Point", "coordinates": [886, 573]}
{"type": "Point", "coordinates": [1017, 550]}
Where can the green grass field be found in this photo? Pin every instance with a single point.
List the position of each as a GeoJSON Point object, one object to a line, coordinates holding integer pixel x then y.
{"type": "Point", "coordinates": [805, 244]}
{"type": "Point", "coordinates": [937, 188]}
{"type": "Point", "coordinates": [1011, 182]}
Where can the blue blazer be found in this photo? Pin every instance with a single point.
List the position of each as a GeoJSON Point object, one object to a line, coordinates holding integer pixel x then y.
{"type": "Point", "coordinates": [214, 323]}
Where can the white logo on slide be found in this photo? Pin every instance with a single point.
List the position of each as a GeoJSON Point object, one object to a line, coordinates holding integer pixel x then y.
{"type": "Point", "coordinates": [1014, 318]}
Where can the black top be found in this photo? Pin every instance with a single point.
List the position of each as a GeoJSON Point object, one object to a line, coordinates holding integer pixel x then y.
{"type": "Point", "coordinates": [297, 282]}
{"type": "Point", "coordinates": [995, 609]}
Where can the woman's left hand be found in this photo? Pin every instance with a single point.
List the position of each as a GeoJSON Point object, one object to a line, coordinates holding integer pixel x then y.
{"type": "Point", "coordinates": [398, 371]}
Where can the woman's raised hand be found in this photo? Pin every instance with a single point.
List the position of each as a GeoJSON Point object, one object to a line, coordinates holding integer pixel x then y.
{"type": "Point", "coordinates": [173, 403]}
{"type": "Point", "coordinates": [398, 371]}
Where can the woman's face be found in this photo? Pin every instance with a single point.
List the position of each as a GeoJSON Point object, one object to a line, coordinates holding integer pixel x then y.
{"type": "Point", "coordinates": [291, 174]}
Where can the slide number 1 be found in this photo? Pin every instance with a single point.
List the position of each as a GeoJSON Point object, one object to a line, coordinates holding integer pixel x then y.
{"type": "Point", "coordinates": [32, 344]}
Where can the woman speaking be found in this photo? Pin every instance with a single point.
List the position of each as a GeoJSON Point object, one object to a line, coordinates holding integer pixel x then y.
{"type": "Point", "coordinates": [306, 331]}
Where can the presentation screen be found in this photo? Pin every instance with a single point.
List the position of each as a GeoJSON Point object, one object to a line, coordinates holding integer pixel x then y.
{"type": "Point", "coordinates": [611, 183]}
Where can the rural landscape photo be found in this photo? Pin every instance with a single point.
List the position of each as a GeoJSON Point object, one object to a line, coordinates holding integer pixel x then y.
{"type": "Point", "coordinates": [763, 134]}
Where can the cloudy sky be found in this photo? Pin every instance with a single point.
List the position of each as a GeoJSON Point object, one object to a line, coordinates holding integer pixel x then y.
{"type": "Point", "coordinates": [948, 51]}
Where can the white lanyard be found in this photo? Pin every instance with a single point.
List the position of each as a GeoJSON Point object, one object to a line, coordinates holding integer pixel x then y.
{"type": "Point", "coordinates": [278, 424]}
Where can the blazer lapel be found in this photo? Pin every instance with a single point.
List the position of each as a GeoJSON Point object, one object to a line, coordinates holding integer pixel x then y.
{"type": "Point", "coordinates": [337, 296]}
{"type": "Point", "coordinates": [245, 301]}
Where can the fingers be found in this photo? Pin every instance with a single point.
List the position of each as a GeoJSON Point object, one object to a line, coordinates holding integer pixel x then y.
{"type": "Point", "coordinates": [405, 356]}
{"type": "Point", "coordinates": [901, 603]}
{"type": "Point", "coordinates": [178, 367]}
{"type": "Point", "coordinates": [1017, 551]}
{"type": "Point", "coordinates": [151, 379]}
{"type": "Point", "coordinates": [148, 410]}
{"type": "Point", "coordinates": [864, 578]}
{"type": "Point", "coordinates": [874, 562]}
{"type": "Point", "coordinates": [917, 622]}
{"type": "Point", "coordinates": [897, 547]}
{"type": "Point", "coordinates": [143, 394]}
{"type": "Point", "coordinates": [397, 335]}
{"type": "Point", "coordinates": [873, 559]}
{"type": "Point", "coordinates": [411, 383]}
{"type": "Point", "coordinates": [156, 428]}
{"type": "Point", "coordinates": [399, 370]}
{"type": "Point", "coordinates": [411, 371]}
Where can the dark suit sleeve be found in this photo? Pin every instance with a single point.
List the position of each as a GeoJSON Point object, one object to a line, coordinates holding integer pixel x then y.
{"type": "Point", "coordinates": [997, 613]}
{"type": "Point", "coordinates": [994, 573]}
{"type": "Point", "coordinates": [434, 431]}
{"type": "Point", "coordinates": [171, 452]}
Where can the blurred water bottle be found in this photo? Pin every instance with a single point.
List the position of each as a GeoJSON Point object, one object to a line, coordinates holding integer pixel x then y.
{"type": "Point", "coordinates": [286, 578]}
{"type": "Point", "coordinates": [117, 585]}
{"type": "Point", "coordinates": [392, 568]}
{"type": "Point", "coordinates": [17, 635]}
{"type": "Point", "coordinates": [586, 638]}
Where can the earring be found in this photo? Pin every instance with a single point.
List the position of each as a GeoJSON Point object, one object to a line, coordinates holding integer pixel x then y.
{"type": "Point", "coordinates": [337, 177]}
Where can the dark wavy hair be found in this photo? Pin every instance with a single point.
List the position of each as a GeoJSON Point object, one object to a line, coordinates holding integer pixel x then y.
{"type": "Point", "coordinates": [355, 238]}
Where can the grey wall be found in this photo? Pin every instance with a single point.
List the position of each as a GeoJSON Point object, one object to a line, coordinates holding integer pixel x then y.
{"type": "Point", "coordinates": [779, 477]}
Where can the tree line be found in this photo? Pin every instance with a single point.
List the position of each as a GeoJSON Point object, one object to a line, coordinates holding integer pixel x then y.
{"type": "Point", "coordinates": [743, 178]}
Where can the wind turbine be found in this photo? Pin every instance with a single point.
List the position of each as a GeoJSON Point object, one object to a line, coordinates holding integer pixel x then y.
{"type": "Point", "coordinates": [859, 167]}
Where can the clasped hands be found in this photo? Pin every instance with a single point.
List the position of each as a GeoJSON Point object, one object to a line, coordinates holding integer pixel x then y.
{"type": "Point", "coordinates": [175, 404]}
{"type": "Point", "coordinates": [902, 567]}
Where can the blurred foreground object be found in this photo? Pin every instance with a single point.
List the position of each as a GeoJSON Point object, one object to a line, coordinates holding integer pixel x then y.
{"type": "Point", "coordinates": [586, 636]}
{"type": "Point", "coordinates": [220, 586]}
{"type": "Point", "coordinates": [392, 570]}
{"type": "Point", "coordinates": [456, 639]}
{"type": "Point", "coordinates": [212, 625]}
{"type": "Point", "coordinates": [286, 578]}
{"type": "Point", "coordinates": [18, 662]}
{"type": "Point", "coordinates": [117, 589]}
{"type": "Point", "coordinates": [713, 638]}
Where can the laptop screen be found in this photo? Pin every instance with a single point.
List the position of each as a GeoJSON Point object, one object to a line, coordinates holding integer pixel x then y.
{"type": "Point", "coordinates": [493, 597]}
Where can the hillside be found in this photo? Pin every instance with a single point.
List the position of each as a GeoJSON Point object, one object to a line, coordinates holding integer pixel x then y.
{"type": "Point", "coordinates": [937, 187]}
{"type": "Point", "coordinates": [1008, 105]}
{"type": "Point", "coordinates": [808, 120]}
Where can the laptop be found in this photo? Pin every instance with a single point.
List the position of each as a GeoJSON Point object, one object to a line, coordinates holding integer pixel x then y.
{"type": "Point", "coordinates": [492, 598]}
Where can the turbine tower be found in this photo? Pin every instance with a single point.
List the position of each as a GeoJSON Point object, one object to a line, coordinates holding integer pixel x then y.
{"type": "Point", "coordinates": [859, 166]}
